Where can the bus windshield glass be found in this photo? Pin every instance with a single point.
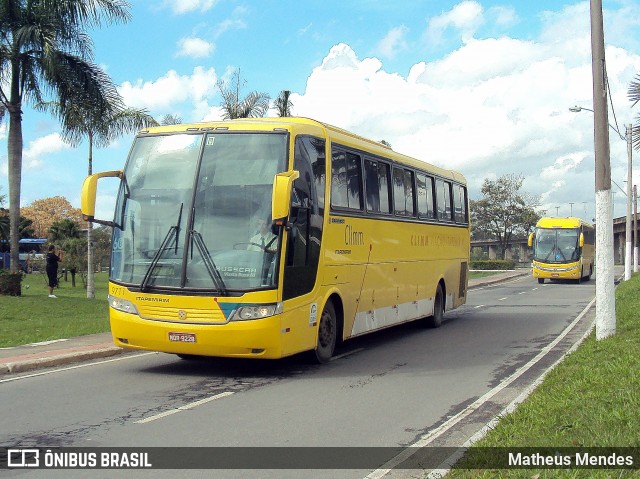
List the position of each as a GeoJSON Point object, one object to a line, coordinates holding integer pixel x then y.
{"type": "Point", "coordinates": [557, 245]}
{"type": "Point", "coordinates": [193, 212]}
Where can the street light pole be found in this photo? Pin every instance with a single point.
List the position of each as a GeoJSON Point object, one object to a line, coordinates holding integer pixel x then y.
{"type": "Point", "coordinates": [628, 249]}
{"type": "Point", "coordinates": [635, 228]}
{"type": "Point", "coordinates": [605, 293]}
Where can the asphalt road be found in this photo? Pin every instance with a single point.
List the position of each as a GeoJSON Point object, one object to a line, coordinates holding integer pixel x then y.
{"type": "Point", "coordinates": [406, 386]}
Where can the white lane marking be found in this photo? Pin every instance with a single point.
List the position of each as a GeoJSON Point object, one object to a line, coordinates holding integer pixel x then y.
{"type": "Point", "coordinates": [522, 292]}
{"type": "Point", "coordinates": [444, 467]}
{"type": "Point", "coordinates": [428, 438]}
{"type": "Point", "coordinates": [502, 299]}
{"type": "Point", "coordinates": [186, 407]}
{"type": "Point", "coordinates": [77, 366]}
{"type": "Point", "coordinates": [479, 306]}
{"type": "Point", "coordinates": [495, 285]}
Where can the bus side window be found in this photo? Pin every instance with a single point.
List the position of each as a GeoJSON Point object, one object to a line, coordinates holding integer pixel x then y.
{"type": "Point", "coordinates": [443, 196]}
{"type": "Point", "coordinates": [425, 197]}
{"type": "Point", "coordinates": [346, 180]}
{"type": "Point", "coordinates": [377, 182]}
{"type": "Point", "coordinates": [459, 204]}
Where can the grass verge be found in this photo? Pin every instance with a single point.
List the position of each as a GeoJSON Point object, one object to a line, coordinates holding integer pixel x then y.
{"type": "Point", "coordinates": [34, 317]}
{"type": "Point", "coordinates": [591, 399]}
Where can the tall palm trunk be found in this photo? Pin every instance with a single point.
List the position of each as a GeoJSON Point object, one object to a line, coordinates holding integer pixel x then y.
{"type": "Point", "coordinates": [91, 289]}
{"type": "Point", "coordinates": [14, 147]}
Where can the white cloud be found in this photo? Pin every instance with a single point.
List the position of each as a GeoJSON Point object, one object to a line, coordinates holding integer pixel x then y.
{"type": "Point", "coordinates": [466, 17]}
{"type": "Point", "coordinates": [166, 92]}
{"type": "Point", "coordinates": [32, 156]}
{"type": "Point", "coordinates": [494, 106]}
{"type": "Point", "coordinates": [393, 42]}
{"type": "Point", "coordinates": [180, 7]}
{"type": "Point", "coordinates": [503, 16]}
{"type": "Point", "coordinates": [194, 48]}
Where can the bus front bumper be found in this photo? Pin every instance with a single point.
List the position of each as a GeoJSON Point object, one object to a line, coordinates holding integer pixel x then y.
{"type": "Point", "coordinates": [259, 338]}
{"type": "Point", "coordinates": [550, 271]}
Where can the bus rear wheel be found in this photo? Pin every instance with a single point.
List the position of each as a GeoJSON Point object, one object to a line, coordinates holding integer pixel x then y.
{"type": "Point", "coordinates": [327, 334]}
{"type": "Point", "coordinates": [435, 321]}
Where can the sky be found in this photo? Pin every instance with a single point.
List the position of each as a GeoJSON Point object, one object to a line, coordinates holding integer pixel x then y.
{"type": "Point", "coordinates": [480, 86]}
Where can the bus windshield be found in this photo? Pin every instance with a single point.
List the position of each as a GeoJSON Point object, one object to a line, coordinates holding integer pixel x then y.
{"type": "Point", "coordinates": [193, 212]}
{"type": "Point", "coordinates": [557, 245]}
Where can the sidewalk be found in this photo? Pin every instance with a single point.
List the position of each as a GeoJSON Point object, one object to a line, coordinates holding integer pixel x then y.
{"type": "Point", "coordinates": [60, 352]}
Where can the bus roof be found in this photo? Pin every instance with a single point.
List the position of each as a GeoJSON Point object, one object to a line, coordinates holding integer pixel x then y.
{"type": "Point", "coordinates": [33, 241]}
{"type": "Point", "coordinates": [568, 222]}
{"type": "Point", "coordinates": [311, 127]}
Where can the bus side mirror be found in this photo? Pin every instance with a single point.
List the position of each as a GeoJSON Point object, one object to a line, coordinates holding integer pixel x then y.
{"type": "Point", "coordinates": [530, 240]}
{"type": "Point", "coordinates": [581, 240]}
{"type": "Point", "coordinates": [88, 196]}
{"type": "Point", "coordinates": [281, 201]}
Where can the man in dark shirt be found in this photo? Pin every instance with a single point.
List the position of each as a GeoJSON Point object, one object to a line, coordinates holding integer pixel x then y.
{"type": "Point", "coordinates": [52, 269]}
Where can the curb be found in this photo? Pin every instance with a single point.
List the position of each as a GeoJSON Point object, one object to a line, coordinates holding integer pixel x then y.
{"type": "Point", "coordinates": [489, 280]}
{"type": "Point", "coordinates": [18, 365]}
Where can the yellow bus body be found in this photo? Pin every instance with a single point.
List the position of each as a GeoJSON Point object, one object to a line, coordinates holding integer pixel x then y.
{"type": "Point", "coordinates": [377, 272]}
{"type": "Point", "coordinates": [576, 270]}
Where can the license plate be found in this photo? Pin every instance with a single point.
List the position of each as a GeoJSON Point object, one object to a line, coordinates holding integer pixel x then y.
{"type": "Point", "coordinates": [554, 275]}
{"type": "Point", "coordinates": [182, 337]}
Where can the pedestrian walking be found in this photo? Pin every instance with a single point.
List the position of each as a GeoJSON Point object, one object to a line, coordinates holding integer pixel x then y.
{"type": "Point", "coordinates": [52, 268]}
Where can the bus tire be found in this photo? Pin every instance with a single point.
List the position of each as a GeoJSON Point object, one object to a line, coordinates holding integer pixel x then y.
{"type": "Point", "coordinates": [327, 334]}
{"type": "Point", "coordinates": [540, 280]}
{"type": "Point", "coordinates": [590, 272]}
{"type": "Point", "coordinates": [435, 321]}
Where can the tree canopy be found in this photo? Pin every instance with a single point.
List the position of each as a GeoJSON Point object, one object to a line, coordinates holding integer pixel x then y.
{"type": "Point", "coordinates": [254, 105]}
{"type": "Point", "coordinates": [46, 211]}
{"type": "Point", "coordinates": [504, 211]}
{"type": "Point", "coordinates": [45, 48]}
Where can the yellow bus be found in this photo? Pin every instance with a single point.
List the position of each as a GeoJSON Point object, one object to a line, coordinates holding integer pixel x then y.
{"type": "Point", "coordinates": [263, 238]}
{"type": "Point", "coordinates": [563, 248]}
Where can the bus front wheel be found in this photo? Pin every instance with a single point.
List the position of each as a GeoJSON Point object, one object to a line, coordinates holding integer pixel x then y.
{"type": "Point", "coordinates": [540, 280]}
{"type": "Point", "coordinates": [327, 334]}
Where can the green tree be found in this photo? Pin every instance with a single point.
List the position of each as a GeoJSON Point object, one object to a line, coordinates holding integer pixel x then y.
{"type": "Point", "coordinates": [44, 47]}
{"type": "Point", "coordinates": [170, 119]}
{"type": "Point", "coordinates": [25, 228]}
{"type": "Point", "coordinates": [254, 105]}
{"type": "Point", "coordinates": [64, 229]}
{"type": "Point", "coordinates": [504, 211]}
{"type": "Point", "coordinates": [282, 104]}
{"type": "Point", "coordinates": [99, 125]}
{"type": "Point", "coordinates": [74, 258]}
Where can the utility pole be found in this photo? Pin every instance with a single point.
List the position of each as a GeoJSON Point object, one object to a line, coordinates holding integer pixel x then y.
{"type": "Point", "coordinates": [635, 228]}
{"type": "Point", "coordinates": [627, 251]}
{"type": "Point", "coordinates": [605, 293]}
{"type": "Point", "coordinates": [571, 209]}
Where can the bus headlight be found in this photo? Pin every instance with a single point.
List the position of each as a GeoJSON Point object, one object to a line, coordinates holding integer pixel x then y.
{"type": "Point", "coordinates": [258, 311]}
{"type": "Point", "coordinates": [122, 305]}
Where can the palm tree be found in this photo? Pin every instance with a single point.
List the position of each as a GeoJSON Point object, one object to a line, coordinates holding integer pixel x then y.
{"type": "Point", "coordinates": [170, 119]}
{"type": "Point", "coordinates": [63, 230]}
{"type": "Point", "coordinates": [44, 46]}
{"type": "Point", "coordinates": [634, 95]}
{"type": "Point", "coordinates": [100, 128]}
{"type": "Point", "coordinates": [254, 105]}
{"type": "Point", "coordinates": [283, 104]}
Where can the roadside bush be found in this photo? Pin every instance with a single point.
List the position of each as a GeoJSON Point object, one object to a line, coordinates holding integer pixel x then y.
{"type": "Point", "coordinates": [10, 283]}
{"type": "Point", "coordinates": [493, 264]}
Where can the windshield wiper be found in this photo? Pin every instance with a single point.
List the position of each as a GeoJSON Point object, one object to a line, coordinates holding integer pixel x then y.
{"type": "Point", "coordinates": [208, 262]}
{"type": "Point", "coordinates": [173, 231]}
